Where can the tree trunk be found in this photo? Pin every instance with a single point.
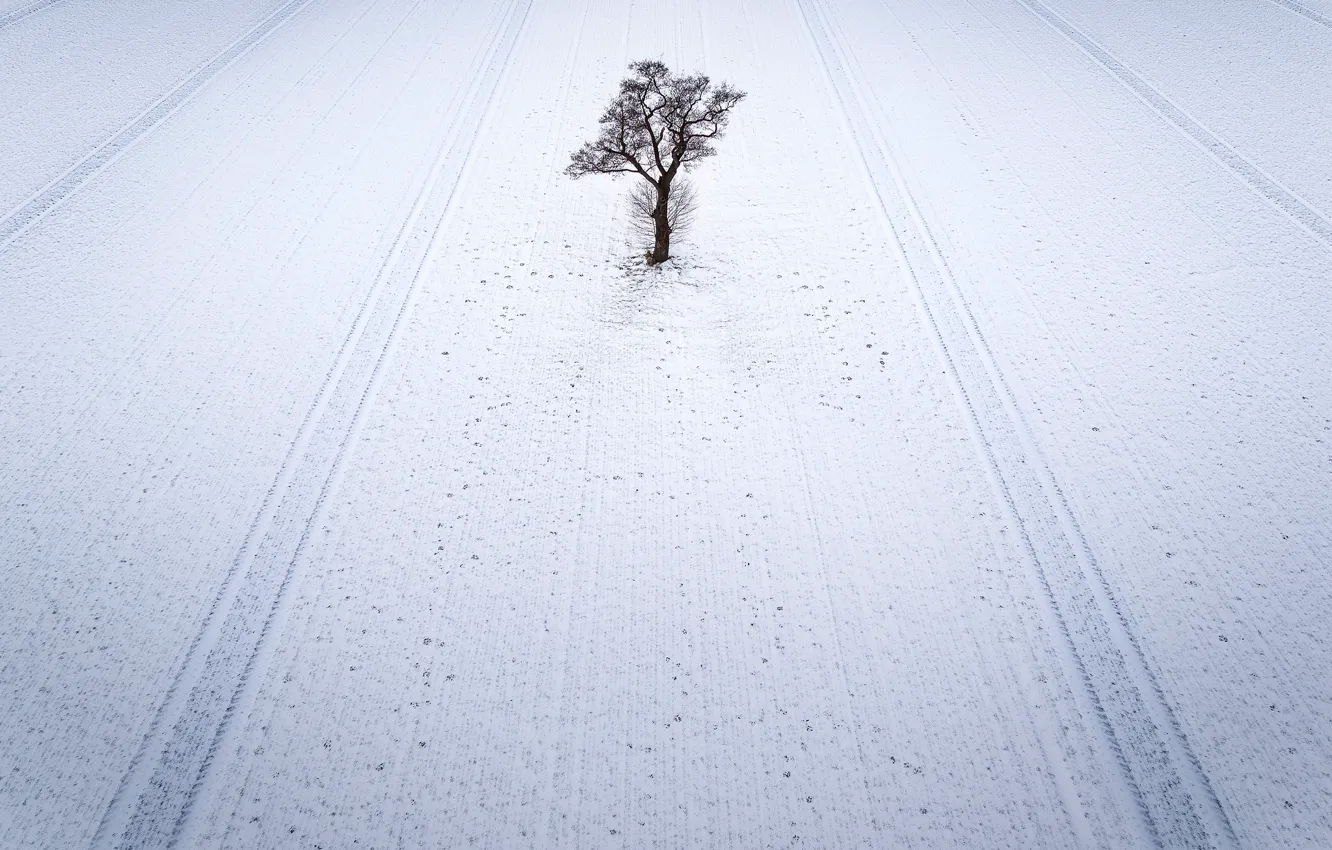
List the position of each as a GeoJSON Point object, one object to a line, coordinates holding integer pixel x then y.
{"type": "Point", "coordinates": [661, 218]}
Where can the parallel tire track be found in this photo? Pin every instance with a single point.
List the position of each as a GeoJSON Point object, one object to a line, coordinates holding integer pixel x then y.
{"type": "Point", "coordinates": [1299, 210]}
{"type": "Point", "coordinates": [18, 220]}
{"type": "Point", "coordinates": [152, 807]}
{"type": "Point", "coordinates": [1175, 799]}
{"type": "Point", "coordinates": [24, 11]}
{"type": "Point", "coordinates": [1300, 9]}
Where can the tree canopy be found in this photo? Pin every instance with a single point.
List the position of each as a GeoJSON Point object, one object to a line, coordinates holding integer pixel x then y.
{"type": "Point", "coordinates": [657, 124]}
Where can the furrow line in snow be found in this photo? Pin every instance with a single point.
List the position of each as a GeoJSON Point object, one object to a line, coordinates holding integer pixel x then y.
{"type": "Point", "coordinates": [1159, 773]}
{"type": "Point", "coordinates": [1312, 220]}
{"type": "Point", "coordinates": [94, 400]}
{"type": "Point", "coordinates": [116, 816]}
{"type": "Point", "coordinates": [406, 817]}
{"type": "Point", "coordinates": [46, 199]}
{"type": "Point", "coordinates": [1305, 11]}
{"type": "Point", "coordinates": [358, 398]}
{"type": "Point", "coordinates": [154, 804]}
{"type": "Point", "coordinates": [24, 11]}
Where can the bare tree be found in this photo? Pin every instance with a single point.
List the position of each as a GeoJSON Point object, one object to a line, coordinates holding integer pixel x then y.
{"type": "Point", "coordinates": [658, 124]}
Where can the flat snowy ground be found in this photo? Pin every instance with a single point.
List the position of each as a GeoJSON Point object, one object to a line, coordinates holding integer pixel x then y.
{"type": "Point", "coordinates": [965, 481]}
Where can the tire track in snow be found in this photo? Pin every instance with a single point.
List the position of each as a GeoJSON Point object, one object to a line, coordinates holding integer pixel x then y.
{"type": "Point", "coordinates": [152, 807]}
{"type": "Point", "coordinates": [18, 220]}
{"type": "Point", "coordinates": [1269, 188]}
{"type": "Point", "coordinates": [1161, 774]}
{"type": "Point", "coordinates": [24, 11]}
{"type": "Point", "coordinates": [83, 418]}
{"type": "Point", "coordinates": [1300, 9]}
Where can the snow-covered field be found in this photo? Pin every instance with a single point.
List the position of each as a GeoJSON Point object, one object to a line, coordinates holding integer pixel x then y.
{"type": "Point", "coordinates": [966, 480]}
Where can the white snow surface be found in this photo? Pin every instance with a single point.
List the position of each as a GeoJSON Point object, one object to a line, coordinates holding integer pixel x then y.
{"type": "Point", "coordinates": [964, 481]}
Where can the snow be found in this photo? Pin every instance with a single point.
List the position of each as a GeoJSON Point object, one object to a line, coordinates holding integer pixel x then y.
{"type": "Point", "coordinates": [962, 482]}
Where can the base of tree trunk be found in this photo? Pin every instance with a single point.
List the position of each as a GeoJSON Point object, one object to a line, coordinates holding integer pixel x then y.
{"type": "Point", "coordinates": [661, 245]}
